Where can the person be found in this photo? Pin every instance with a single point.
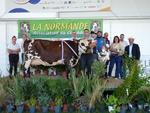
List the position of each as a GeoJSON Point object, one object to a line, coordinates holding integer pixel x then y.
{"type": "Point", "coordinates": [122, 41]}
{"type": "Point", "coordinates": [74, 35]}
{"type": "Point", "coordinates": [93, 38]}
{"type": "Point", "coordinates": [133, 52]}
{"type": "Point", "coordinates": [13, 50]}
{"type": "Point", "coordinates": [86, 59]}
{"type": "Point", "coordinates": [24, 37]}
{"type": "Point", "coordinates": [100, 42]}
{"type": "Point", "coordinates": [115, 53]}
{"type": "Point", "coordinates": [123, 45]}
{"type": "Point", "coordinates": [93, 35]}
{"type": "Point", "coordinates": [107, 41]}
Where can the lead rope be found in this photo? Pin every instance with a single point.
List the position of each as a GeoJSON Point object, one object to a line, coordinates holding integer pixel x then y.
{"type": "Point", "coordinates": [72, 65]}
{"type": "Point", "coordinates": [62, 52]}
{"type": "Point", "coordinates": [71, 48]}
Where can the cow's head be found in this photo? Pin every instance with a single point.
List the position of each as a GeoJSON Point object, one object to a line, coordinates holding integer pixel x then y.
{"type": "Point", "coordinates": [83, 46]}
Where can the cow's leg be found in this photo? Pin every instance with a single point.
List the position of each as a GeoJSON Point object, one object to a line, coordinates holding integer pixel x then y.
{"type": "Point", "coordinates": [27, 68]}
{"type": "Point", "coordinates": [78, 70]}
{"type": "Point", "coordinates": [65, 71]}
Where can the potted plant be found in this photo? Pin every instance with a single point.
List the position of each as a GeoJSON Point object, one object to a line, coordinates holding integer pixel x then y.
{"type": "Point", "coordinates": [17, 92]}
{"type": "Point", "coordinates": [67, 105]}
{"type": "Point", "coordinates": [132, 83]}
{"type": "Point", "coordinates": [58, 104]}
{"type": "Point", "coordinates": [123, 105]}
{"type": "Point", "coordinates": [2, 96]}
{"type": "Point", "coordinates": [142, 97]}
{"type": "Point", "coordinates": [32, 104]}
{"type": "Point", "coordinates": [112, 103]}
{"type": "Point", "coordinates": [9, 107]}
{"type": "Point", "coordinates": [44, 102]}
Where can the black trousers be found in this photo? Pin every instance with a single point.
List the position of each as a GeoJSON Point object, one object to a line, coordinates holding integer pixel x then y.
{"type": "Point", "coordinates": [86, 61]}
{"type": "Point", "coordinates": [13, 61]}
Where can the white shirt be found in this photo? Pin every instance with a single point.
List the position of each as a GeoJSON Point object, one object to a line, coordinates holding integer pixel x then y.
{"type": "Point", "coordinates": [130, 50]}
{"type": "Point", "coordinates": [123, 44]}
{"type": "Point", "coordinates": [13, 47]}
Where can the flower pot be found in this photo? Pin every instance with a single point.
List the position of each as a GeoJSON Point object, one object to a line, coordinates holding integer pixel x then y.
{"type": "Point", "coordinates": [71, 109]}
{"type": "Point", "coordinates": [83, 108]}
{"type": "Point", "coordinates": [57, 109]}
{"type": "Point", "coordinates": [146, 108]}
{"type": "Point", "coordinates": [102, 107]}
{"type": "Point", "coordinates": [32, 110]}
{"type": "Point", "coordinates": [132, 109]}
{"type": "Point", "coordinates": [52, 107]}
{"type": "Point", "coordinates": [9, 108]}
{"type": "Point", "coordinates": [26, 107]}
{"type": "Point", "coordinates": [123, 109]}
{"type": "Point", "coordinates": [65, 108]}
{"type": "Point", "coordinates": [20, 109]}
{"type": "Point", "coordinates": [110, 108]}
{"type": "Point", "coordinates": [44, 109]}
{"type": "Point", "coordinates": [140, 106]}
{"type": "Point", "coordinates": [1, 108]}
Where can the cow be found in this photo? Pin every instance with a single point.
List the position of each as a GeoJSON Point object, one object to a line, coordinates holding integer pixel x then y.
{"type": "Point", "coordinates": [53, 53]}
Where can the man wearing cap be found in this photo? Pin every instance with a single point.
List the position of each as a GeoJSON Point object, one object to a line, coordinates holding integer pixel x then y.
{"type": "Point", "coordinates": [133, 50]}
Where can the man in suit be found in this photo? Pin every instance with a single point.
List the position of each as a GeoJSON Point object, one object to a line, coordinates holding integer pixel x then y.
{"type": "Point", "coordinates": [133, 53]}
{"type": "Point", "coordinates": [133, 50]}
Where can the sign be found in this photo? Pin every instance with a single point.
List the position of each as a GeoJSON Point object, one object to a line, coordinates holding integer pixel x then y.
{"type": "Point", "coordinates": [27, 6]}
{"type": "Point", "coordinates": [58, 28]}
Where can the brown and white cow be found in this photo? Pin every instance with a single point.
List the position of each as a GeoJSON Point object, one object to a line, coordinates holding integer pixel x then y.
{"type": "Point", "coordinates": [52, 53]}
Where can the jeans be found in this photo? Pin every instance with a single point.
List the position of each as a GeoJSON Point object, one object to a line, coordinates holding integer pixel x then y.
{"type": "Point", "coordinates": [106, 65]}
{"type": "Point", "coordinates": [95, 57]}
{"type": "Point", "coordinates": [123, 67]}
{"type": "Point", "coordinates": [86, 61]}
{"type": "Point", "coordinates": [115, 59]}
{"type": "Point", "coordinates": [13, 61]}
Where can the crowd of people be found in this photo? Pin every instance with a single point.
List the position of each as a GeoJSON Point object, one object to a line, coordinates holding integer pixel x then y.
{"type": "Point", "coordinates": [99, 43]}
{"type": "Point", "coordinates": [116, 50]}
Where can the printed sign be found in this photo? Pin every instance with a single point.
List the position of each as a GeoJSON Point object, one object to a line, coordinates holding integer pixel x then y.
{"type": "Point", "coordinates": [58, 28]}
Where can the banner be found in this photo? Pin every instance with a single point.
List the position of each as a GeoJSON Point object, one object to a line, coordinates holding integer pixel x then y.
{"type": "Point", "coordinates": [58, 28]}
{"type": "Point", "coordinates": [39, 6]}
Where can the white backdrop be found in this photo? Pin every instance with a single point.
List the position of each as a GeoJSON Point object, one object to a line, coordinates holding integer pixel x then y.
{"type": "Point", "coordinates": [139, 29]}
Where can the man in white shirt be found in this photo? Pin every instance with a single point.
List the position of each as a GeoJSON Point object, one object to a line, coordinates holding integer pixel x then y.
{"type": "Point", "coordinates": [13, 50]}
{"type": "Point", "coordinates": [123, 44]}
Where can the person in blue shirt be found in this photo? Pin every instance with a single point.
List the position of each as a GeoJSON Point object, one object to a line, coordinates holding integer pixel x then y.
{"type": "Point", "coordinates": [100, 42]}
